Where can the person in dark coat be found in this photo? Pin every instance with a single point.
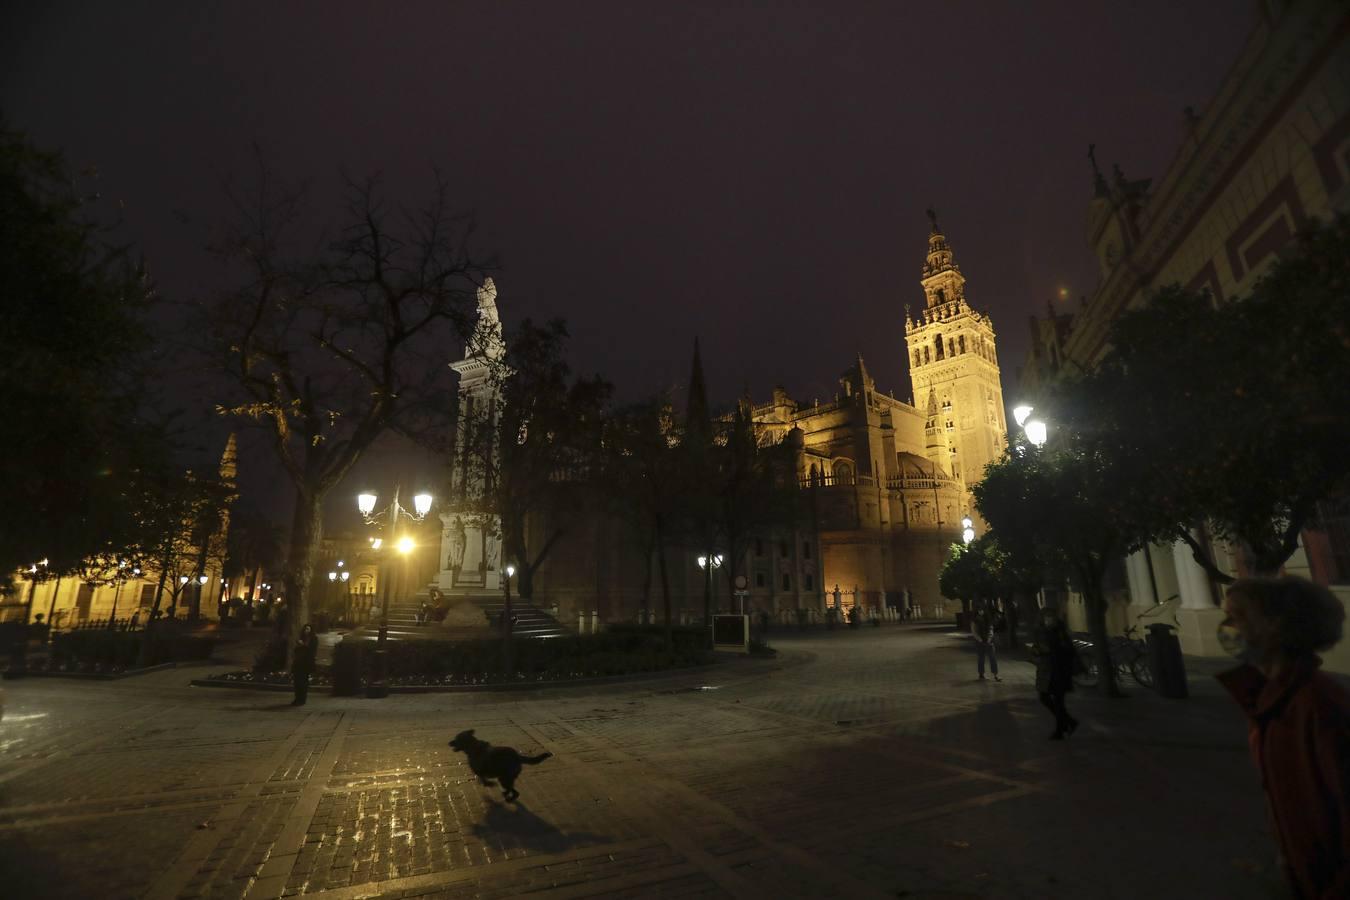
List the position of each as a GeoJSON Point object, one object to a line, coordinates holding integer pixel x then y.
{"type": "Point", "coordinates": [302, 663]}
{"type": "Point", "coordinates": [1056, 660]}
{"type": "Point", "coordinates": [1298, 723]}
{"type": "Point", "coordinates": [983, 629]}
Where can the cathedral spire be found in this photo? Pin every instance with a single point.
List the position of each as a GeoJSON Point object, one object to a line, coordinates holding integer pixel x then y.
{"type": "Point", "coordinates": [697, 421]}
{"type": "Point", "coordinates": [1098, 182]}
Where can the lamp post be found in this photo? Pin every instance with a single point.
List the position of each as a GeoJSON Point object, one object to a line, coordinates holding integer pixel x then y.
{"type": "Point", "coordinates": [347, 601]}
{"type": "Point", "coordinates": [510, 571]}
{"type": "Point", "coordinates": [365, 502]}
{"type": "Point", "coordinates": [967, 530]}
{"type": "Point", "coordinates": [707, 564]}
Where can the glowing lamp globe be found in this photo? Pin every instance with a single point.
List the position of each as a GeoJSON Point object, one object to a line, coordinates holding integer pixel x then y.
{"type": "Point", "coordinates": [366, 503]}
{"type": "Point", "coordinates": [1020, 414]}
{"type": "Point", "coordinates": [422, 504]}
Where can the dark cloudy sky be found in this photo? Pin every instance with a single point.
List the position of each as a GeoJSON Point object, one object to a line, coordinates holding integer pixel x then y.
{"type": "Point", "coordinates": [752, 173]}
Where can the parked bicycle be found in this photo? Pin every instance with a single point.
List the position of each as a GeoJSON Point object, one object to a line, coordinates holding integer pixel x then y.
{"type": "Point", "coordinates": [1129, 651]}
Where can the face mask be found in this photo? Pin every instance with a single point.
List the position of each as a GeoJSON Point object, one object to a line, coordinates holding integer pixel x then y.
{"type": "Point", "coordinates": [1235, 644]}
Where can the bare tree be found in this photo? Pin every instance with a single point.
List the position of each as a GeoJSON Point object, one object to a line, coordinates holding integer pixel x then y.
{"type": "Point", "coordinates": [332, 348]}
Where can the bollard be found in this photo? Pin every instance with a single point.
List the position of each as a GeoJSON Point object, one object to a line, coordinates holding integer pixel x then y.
{"type": "Point", "coordinates": [581, 623]}
{"type": "Point", "coordinates": [595, 622]}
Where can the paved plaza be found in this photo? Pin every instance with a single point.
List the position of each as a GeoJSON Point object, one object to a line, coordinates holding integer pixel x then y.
{"type": "Point", "coordinates": [859, 763]}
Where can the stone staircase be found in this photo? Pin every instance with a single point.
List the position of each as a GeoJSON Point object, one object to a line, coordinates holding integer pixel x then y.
{"type": "Point", "coordinates": [531, 622]}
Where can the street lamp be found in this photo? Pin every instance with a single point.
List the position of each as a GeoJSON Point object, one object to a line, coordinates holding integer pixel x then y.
{"type": "Point", "coordinates": [967, 530]}
{"type": "Point", "coordinates": [1036, 432]}
{"type": "Point", "coordinates": [510, 571]}
{"type": "Point", "coordinates": [365, 502]}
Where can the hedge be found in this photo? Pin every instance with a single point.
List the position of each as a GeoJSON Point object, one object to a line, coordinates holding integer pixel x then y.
{"type": "Point", "coordinates": [618, 651]}
{"type": "Point", "coordinates": [96, 649]}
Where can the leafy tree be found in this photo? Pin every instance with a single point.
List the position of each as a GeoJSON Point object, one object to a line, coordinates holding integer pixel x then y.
{"type": "Point", "coordinates": [253, 545]}
{"type": "Point", "coordinates": [985, 570]}
{"type": "Point", "coordinates": [1072, 511]}
{"type": "Point", "coordinates": [969, 575]}
{"type": "Point", "coordinates": [737, 489]}
{"type": "Point", "coordinates": [331, 349]}
{"type": "Point", "coordinates": [83, 450]}
{"type": "Point", "coordinates": [1251, 434]}
{"type": "Point", "coordinates": [536, 455]}
{"type": "Point", "coordinates": [646, 481]}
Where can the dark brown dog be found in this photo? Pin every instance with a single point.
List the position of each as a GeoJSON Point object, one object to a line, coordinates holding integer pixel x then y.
{"type": "Point", "coordinates": [489, 762]}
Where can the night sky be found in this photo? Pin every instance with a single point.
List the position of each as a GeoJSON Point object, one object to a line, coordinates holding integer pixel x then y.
{"type": "Point", "coordinates": [752, 173]}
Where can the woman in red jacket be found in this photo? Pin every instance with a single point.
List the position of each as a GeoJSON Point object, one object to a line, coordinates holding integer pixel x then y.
{"type": "Point", "coordinates": [1299, 723]}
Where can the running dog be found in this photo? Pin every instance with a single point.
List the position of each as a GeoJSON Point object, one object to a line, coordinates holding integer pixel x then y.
{"type": "Point", "coordinates": [489, 762]}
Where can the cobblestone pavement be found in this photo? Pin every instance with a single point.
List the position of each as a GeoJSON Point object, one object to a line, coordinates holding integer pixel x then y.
{"type": "Point", "coordinates": [868, 764]}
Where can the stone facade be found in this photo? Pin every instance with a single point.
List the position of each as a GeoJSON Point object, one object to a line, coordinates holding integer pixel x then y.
{"type": "Point", "coordinates": [1270, 153]}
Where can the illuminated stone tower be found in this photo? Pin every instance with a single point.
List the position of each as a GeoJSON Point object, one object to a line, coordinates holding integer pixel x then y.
{"type": "Point", "coordinates": [953, 365]}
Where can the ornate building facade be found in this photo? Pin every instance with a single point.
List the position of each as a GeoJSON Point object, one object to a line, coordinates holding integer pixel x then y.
{"type": "Point", "coordinates": [891, 479]}
{"type": "Point", "coordinates": [888, 483]}
{"type": "Point", "coordinates": [1270, 153]}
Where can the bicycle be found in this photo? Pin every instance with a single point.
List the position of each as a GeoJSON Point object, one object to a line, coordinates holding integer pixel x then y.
{"type": "Point", "coordinates": [1129, 652]}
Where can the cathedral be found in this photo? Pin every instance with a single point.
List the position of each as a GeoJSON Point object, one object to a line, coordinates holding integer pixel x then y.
{"type": "Point", "coordinates": [892, 479]}
{"type": "Point", "coordinates": [889, 480]}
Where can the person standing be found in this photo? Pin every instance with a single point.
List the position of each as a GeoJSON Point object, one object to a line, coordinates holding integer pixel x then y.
{"type": "Point", "coordinates": [302, 663]}
{"type": "Point", "coordinates": [1056, 660]}
{"type": "Point", "coordinates": [1298, 723]}
{"type": "Point", "coordinates": [984, 643]}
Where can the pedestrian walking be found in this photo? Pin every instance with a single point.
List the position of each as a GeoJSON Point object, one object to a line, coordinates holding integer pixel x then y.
{"type": "Point", "coordinates": [1298, 723]}
{"type": "Point", "coordinates": [1056, 661]}
{"type": "Point", "coordinates": [983, 628]}
{"type": "Point", "coordinates": [302, 662]}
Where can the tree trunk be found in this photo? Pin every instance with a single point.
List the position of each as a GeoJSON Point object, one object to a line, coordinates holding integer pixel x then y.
{"type": "Point", "coordinates": [143, 657]}
{"type": "Point", "coordinates": [1096, 614]}
{"type": "Point", "coordinates": [665, 581]}
{"type": "Point", "coordinates": [649, 546]}
{"type": "Point", "coordinates": [306, 533]}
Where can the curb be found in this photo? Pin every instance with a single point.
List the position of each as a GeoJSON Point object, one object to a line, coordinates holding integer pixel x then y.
{"type": "Point", "coordinates": [474, 688]}
{"type": "Point", "coordinates": [96, 676]}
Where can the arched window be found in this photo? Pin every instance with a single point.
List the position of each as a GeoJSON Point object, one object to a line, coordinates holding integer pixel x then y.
{"type": "Point", "coordinates": [925, 355]}
{"type": "Point", "coordinates": [843, 472]}
{"type": "Point", "coordinates": [951, 347]}
{"type": "Point", "coordinates": [961, 342]}
{"type": "Point", "coordinates": [937, 343]}
{"type": "Point", "coordinates": [941, 295]}
{"type": "Point", "coordinates": [916, 357]}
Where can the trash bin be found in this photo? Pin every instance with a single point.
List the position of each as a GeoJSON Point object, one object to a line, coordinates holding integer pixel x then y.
{"type": "Point", "coordinates": [1165, 662]}
{"type": "Point", "coordinates": [347, 669]}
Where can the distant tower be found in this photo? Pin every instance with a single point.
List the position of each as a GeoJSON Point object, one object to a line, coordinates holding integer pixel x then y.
{"type": "Point", "coordinates": [954, 365]}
